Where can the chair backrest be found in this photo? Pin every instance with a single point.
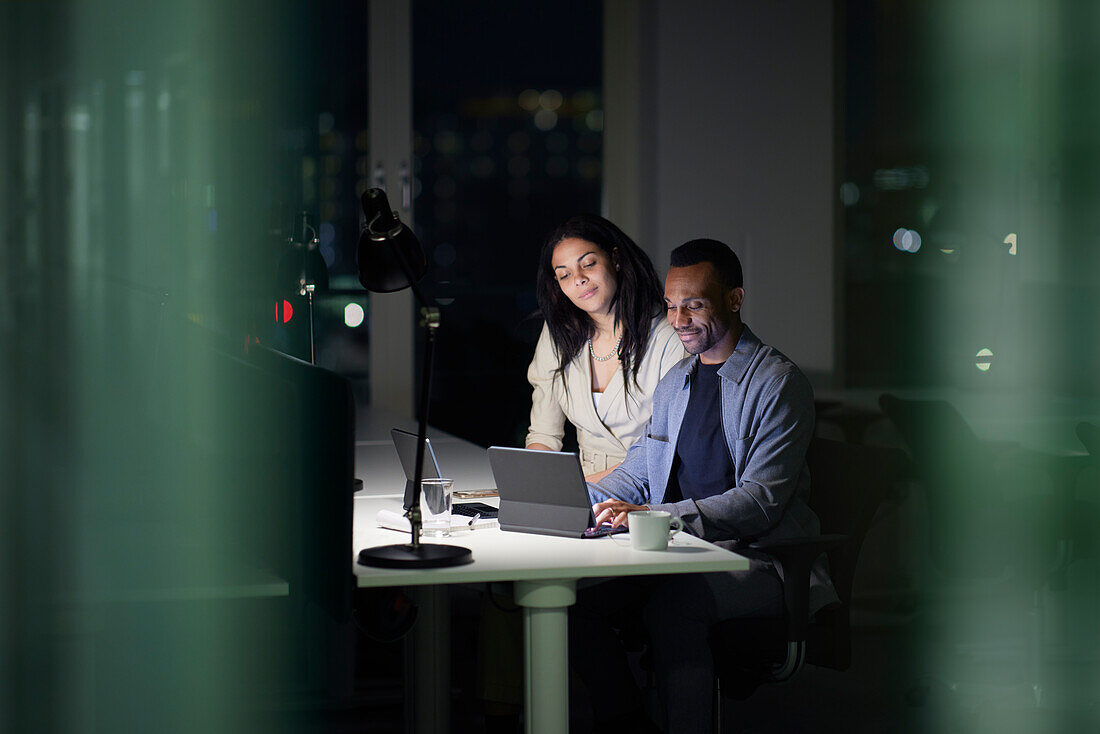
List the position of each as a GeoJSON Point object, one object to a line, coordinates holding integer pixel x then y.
{"type": "Point", "coordinates": [935, 432]}
{"type": "Point", "coordinates": [848, 484]}
{"type": "Point", "coordinates": [965, 531]}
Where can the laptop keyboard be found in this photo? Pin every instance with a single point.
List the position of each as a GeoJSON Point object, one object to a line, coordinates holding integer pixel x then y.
{"type": "Point", "coordinates": [469, 509]}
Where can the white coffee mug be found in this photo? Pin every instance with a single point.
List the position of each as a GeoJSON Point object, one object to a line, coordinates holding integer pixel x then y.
{"type": "Point", "coordinates": [652, 529]}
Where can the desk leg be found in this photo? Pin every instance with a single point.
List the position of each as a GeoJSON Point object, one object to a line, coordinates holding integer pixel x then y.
{"type": "Point", "coordinates": [546, 655]}
{"type": "Point", "coordinates": [428, 663]}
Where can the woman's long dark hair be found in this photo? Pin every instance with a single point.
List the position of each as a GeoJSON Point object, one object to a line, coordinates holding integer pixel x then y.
{"type": "Point", "coordinates": [638, 297]}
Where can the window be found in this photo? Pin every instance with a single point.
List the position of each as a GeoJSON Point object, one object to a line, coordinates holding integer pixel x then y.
{"type": "Point", "coordinates": [507, 120]}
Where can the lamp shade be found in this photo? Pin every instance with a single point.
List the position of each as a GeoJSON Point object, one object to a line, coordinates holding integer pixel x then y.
{"type": "Point", "coordinates": [383, 244]}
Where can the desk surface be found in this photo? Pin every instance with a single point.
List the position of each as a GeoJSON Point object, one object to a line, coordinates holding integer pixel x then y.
{"type": "Point", "coordinates": [1035, 421]}
{"type": "Point", "coordinates": [507, 556]}
{"type": "Point", "coordinates": [146, 562]}
{"type": "Point", "coordinates": [498, 555]}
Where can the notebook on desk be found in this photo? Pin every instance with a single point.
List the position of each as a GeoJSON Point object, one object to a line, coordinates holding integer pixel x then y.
{"type": "Point", "coordinates": [405, 443]}
{"type": "Point", "coordinates": [543, 492]}
{"type": "Point", "coordinates": [397, 521]}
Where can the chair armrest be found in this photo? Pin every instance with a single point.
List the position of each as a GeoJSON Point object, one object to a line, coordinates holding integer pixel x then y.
{"type": "Point", "coordinates": [794, 557]}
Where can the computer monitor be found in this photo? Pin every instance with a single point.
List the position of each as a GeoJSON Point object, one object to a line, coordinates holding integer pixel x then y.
{"type": "Point", "coordinates": [318, 448]}
{"type": "Point", "coordinates": [284, 448]}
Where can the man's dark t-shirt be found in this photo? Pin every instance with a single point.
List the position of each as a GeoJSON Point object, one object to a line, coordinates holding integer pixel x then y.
{"type": "Point", "coordinates": [702, 467]}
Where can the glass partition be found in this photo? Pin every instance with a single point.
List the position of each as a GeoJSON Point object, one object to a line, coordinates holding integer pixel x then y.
{"type": "Point", "coordinates": [153, 158]}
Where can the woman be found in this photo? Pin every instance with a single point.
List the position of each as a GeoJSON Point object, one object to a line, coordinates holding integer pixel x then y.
{"type": "Point", "coordinates": [605, 346]}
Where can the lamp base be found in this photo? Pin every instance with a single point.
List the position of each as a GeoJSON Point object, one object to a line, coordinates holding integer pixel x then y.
{"type": "Point", "coordinates": [405, 556]}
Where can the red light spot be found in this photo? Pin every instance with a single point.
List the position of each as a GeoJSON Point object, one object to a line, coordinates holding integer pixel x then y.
{"type": "Point", "coordinates": [283, 312]}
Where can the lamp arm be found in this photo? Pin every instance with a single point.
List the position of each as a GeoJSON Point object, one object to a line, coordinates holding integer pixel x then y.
{"type": "Point", "coordinates": [430, 321]}
{"type": "Point", "coordinates": [384, 228]}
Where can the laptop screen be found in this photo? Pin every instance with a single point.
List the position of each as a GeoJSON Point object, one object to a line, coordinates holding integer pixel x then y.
{"type": "Point", "coordinates": [405, 443]}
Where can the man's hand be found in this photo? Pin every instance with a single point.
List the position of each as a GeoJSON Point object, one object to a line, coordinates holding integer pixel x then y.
{"type": "Point", "coordinates": [616, 512]}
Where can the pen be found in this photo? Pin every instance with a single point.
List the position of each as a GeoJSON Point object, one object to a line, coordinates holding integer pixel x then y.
{"type": "Point", "coordinates": [474, 519]}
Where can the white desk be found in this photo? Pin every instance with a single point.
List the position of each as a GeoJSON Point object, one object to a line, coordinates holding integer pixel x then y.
{"type": "Point", "coordinates": [545, 570]}
{"type": "Point", "coordinates": [127, 565]}
{"type": "Point", "coordinates": [1035, 421]}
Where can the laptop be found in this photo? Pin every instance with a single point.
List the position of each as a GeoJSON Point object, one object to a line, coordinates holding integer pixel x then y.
{"type": "Point", "coordinates": [405, 443]}
{"type": "Point", "coordinates": [543, 492]}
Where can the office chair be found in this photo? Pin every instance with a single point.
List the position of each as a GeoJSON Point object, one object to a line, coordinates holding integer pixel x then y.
{"type": "Point", "coordinates": [988, 509]}
{"type": "Point", "coordinates": [851, 420]}
{"type": "Point", "coordinates": [848, 484]}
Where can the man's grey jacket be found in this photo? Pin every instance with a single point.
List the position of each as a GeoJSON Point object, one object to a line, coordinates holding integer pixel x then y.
{"type": "Point", "coordinates": [768, 420]}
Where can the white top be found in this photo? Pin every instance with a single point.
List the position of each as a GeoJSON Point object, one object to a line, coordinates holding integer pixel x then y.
{"type": "Point", "coordinates": [603, 436]}
{"type": "Point", "coordinates": [596, 400]}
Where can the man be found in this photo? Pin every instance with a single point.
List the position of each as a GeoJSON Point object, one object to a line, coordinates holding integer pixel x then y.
{"type": "Point", "coordinates": [725, 451]}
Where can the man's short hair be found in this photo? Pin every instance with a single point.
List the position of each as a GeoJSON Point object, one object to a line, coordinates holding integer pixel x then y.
{"type": "Point", "coordinates": [718, 254]}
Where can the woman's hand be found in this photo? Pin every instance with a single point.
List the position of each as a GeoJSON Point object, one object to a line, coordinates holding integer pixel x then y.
{"type": "Point", "coordinates": [538, 447]}
{"type": "Point", "coordinates": [597, 476]}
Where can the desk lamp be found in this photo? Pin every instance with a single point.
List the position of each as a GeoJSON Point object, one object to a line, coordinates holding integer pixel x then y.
{"type": "Point", "coordinates": [391, 259]}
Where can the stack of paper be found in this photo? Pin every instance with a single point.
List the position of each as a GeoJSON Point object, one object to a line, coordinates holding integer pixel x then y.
{"type": "Point", "coordinates": [398, 521]}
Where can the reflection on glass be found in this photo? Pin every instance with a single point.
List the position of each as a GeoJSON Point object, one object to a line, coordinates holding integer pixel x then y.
{"type": "Point", "coordinates": [353, 315]}
{"type": "Point", "coordinates": [154, 158]}
{"type": "Point", "coordinates": [944, 132]}
{"type": "Point", "coordinates": [983, 360]}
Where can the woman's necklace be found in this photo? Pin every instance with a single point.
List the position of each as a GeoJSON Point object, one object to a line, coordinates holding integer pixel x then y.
{"type": "Point", "coordinates": [609, 356]}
